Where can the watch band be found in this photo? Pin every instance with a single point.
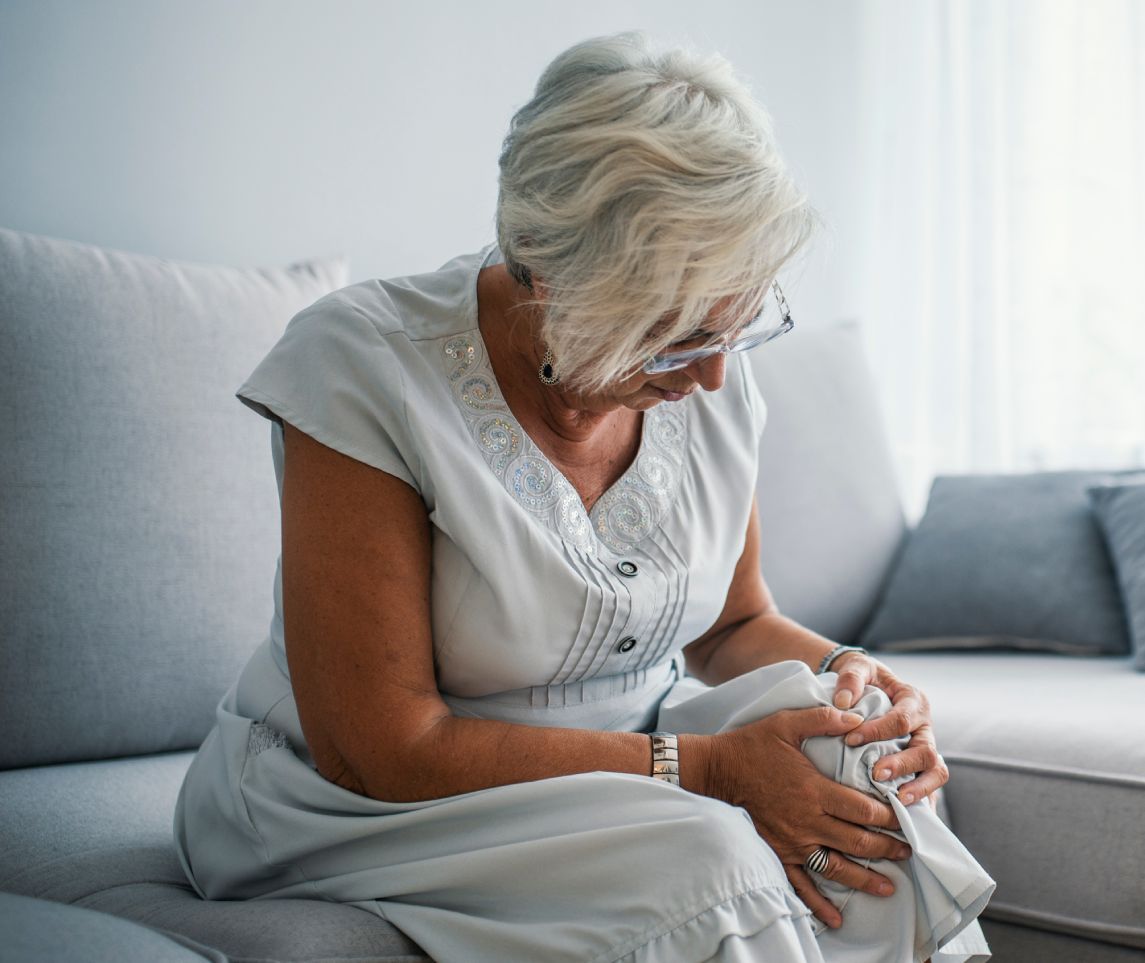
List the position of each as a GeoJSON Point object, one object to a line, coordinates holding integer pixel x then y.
{"type": "Point", "coordinates": [830, 657]}
{"type": "Point", "coordinates": [665, 757]}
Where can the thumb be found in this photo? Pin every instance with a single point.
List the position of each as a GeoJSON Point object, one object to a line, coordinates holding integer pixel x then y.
{"type": "Point", "coordinates": [822, 721]}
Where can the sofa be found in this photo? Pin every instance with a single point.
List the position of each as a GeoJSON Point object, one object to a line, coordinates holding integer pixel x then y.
{"type": "Point", "coordinates": [138, 537]}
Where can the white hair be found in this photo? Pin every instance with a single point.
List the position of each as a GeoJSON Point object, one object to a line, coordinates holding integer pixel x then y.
{"type": "Point", "coordinates": [639, 187]}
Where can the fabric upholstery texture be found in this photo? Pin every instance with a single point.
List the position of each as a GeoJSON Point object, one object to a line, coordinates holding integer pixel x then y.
{"type": "Point", "coordinates": [1011, 942]}
{"type": "Point", "coordinates": [830, 511]}
{"type": "Point", "coordinates": [104, 842]}
{"type": "Point", "coordinates": [1004, 561]}
{"type": "Point", "coordinates": [1120, 510]}
{"type": "Point", "coordinates": [1047, 783]}
{"type": "Point", "coordinates": [138, 524]}
{"type": "Point", "coordinates": [36, 931]}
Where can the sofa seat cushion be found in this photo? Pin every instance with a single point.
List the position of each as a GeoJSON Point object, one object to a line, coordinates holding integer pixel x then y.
{"type": "Point", "coordinates": [37, 930]}
{"type": "Point", "coordinates": [99, 835]}
{"type": "Point", "coordinates": [1047, 782]}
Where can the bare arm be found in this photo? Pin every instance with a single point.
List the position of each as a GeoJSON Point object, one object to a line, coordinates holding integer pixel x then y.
{"type": "Point", "coordinates": [355, 583]}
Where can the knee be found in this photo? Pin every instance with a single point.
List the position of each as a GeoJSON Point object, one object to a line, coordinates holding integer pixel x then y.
{"type": "Point", "coordinates": [719, 841]}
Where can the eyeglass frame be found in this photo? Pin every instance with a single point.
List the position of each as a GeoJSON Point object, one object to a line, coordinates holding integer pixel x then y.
{"type": "Point", "coordinates": [654, 364]}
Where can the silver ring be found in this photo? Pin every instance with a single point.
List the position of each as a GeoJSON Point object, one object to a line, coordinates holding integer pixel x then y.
{"type": "Point", "coordinates": [817, 861]}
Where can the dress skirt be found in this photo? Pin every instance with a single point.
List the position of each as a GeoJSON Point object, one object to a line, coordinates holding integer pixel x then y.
{"type": "Point", "coordinates": [596, 866]}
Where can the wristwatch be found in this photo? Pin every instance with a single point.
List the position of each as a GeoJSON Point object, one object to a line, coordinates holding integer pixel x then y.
{"type": "Point", "coordinates": [665, 757]}
{"type": "Point", "coordinates": [831, 656]}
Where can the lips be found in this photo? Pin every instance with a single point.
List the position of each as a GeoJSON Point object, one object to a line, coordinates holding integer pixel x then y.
{"type": "Point", "coordinates": [671, 395]}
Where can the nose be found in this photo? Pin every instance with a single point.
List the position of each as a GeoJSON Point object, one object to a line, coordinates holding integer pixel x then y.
{"type": "Point", "coordinates": [708, 372]}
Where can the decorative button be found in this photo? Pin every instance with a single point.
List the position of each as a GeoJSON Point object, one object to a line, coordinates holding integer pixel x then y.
{"type": "Point", "coordinates": [627, 644]}
{"type": "Point", "coordinates": [626, 568]}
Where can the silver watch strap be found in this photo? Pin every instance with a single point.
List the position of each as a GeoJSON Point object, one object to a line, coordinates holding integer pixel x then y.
{"type": "Point", "coordinates": [830, 657]}
{"type": "Point", "coordinates": [665, 757]}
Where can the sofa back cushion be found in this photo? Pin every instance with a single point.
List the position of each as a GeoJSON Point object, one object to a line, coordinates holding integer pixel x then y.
{"type": "Point", "coordinates": [830, 509]}
{"type": "Point", "coordinates": [139, 520]}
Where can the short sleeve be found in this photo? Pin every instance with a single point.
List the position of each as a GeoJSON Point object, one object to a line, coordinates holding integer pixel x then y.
{"type": "Point", "coordinates": [753, 398]}
{"type": "Point", "coordinates": [337, 376]}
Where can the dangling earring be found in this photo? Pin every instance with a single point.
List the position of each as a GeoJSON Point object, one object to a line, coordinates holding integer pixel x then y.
{"type": "Point", "coordinates": [545, 372]}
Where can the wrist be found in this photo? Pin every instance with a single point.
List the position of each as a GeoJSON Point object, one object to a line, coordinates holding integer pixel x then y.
{"type": "Point", "coordinates": [833, 659]}
{"type": "Point", "coordinates": [695, 761]}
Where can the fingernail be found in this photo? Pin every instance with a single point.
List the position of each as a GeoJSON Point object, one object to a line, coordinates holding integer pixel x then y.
{"type": "Point", "coordinates": [886, 889]}
{"type": "Point", "coordinates": [854, 739]}
{"type": "Point", "coordinates": [843, 699]}
{"type": "Point", "coordinates": [883, 774]}
{"type": "Point", "coordinates": [904, 853]}
{"type": "Point", "coordinates": [906, 798]}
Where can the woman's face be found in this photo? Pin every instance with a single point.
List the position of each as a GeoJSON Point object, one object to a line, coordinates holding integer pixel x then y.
{"type": "Point", "coordinates": [640, 391]}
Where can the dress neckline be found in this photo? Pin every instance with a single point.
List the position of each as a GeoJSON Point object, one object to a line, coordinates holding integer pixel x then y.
{"type": "Point", "coordinates": [628, 510]}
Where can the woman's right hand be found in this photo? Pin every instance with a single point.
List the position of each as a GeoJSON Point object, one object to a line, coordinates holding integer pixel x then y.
{"type": "Point", "coordinates": [795, 808]}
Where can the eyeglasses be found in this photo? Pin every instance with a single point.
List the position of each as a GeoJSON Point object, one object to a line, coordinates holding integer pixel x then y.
{"type": "Point", "coordinates": [759, 330]}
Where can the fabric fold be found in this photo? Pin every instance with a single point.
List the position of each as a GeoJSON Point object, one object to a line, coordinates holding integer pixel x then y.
{"type": "Point", "coordinates": [939, 890]}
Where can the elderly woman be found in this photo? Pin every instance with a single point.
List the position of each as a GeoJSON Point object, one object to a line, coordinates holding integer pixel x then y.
{"type": "Point", "coordinates": [511, 524]}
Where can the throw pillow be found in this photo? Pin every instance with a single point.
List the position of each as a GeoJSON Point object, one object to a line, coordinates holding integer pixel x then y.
{"type": "Point", "coordinates": [1005, 561]}
{"type": "Point", "coordinates": [1120, 510]}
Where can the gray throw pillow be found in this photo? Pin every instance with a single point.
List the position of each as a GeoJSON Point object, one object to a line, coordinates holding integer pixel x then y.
{"type": "Point", "coordinates": [1120, 510]}
{"type": "Point", "coordinates": [1005, 562]}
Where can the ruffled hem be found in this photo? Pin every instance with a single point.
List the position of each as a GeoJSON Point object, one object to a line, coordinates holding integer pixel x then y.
{"type": "Point", "coordinates": [763, 923]}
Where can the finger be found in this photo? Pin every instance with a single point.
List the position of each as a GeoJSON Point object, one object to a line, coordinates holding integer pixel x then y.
{"type": "Point", "coordinates": [800, 724]}
{"type": "Point", "coordinates": [807, 891]}
{"type": "Point", "coordinates": [911, 761]}
{"type": "Point", "coordinates": [853, 679]}
{"type": "Point", "coordinates": [840, 869]}
{"type": "Point", "coordinates": [926, 783]}
{"type": "Point", "coordinates": [859, 843]}
{"type": "Point", "coordinates": [857, 807]}
{"type": "Point", "coordinates": [904, 718]}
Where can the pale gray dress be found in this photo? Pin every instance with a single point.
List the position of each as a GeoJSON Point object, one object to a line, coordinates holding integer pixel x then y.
{"type": "Point", "coordinates": [535, 622]}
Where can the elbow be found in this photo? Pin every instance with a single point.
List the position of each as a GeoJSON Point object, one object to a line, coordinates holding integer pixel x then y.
{"type": "Point", "coordinates": [404, 772]}
{"type": "Point", "coordinates": [336, 771]}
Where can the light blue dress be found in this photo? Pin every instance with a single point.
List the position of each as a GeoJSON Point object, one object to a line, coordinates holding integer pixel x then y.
{"type": "Point", "coordinates": [535, 622]}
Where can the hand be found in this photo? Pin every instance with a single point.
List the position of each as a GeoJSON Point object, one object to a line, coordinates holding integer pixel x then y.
{"type": "Point", "coordinates": [909, 713]}
{"type": "Point", "coordinates": [795, 808]}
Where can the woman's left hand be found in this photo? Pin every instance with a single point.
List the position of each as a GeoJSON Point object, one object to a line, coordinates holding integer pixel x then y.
{"type": "Point", "coordinates": [909, 714]}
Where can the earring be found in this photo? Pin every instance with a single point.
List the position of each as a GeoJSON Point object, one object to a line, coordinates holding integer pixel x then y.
{"type": "Point", "coordinates": [545, 372]}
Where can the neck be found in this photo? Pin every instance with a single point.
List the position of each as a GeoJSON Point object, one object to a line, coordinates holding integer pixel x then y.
{"type": "Point", "coordinates": [509, 328]}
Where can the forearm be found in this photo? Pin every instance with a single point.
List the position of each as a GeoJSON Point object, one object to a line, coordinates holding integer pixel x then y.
{"type": "Point", "coordinates": [459, 755]}
{"type": "Point", "coordinates": [763, 640]}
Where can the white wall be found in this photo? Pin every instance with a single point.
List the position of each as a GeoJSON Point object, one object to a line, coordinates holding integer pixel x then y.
{"type": "Point", "coordinates": [261, 131]}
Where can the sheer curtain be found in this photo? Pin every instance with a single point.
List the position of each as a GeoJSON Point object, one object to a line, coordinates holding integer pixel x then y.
{"type": "Point", "coordinates": [1003, 268]}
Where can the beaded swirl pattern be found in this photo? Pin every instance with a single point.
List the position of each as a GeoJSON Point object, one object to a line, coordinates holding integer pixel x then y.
{"type": "Point", "coordinates": [626, 513]}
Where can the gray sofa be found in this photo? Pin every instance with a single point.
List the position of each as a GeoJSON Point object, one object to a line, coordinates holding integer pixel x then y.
{"type": "Point", "coordinates": [138, 536]}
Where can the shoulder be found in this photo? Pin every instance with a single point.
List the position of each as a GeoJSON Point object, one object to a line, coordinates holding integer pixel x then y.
{"type": "Point", "coordinates": [416, 307]}
{"type": "Point", "coordinates": [344, 366]}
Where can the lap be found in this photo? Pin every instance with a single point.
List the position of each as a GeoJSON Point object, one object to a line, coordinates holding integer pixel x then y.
{"type": "Point", "coordinates": [589, 865]}
{"type": "Point", "coordinates": [593, 862]}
